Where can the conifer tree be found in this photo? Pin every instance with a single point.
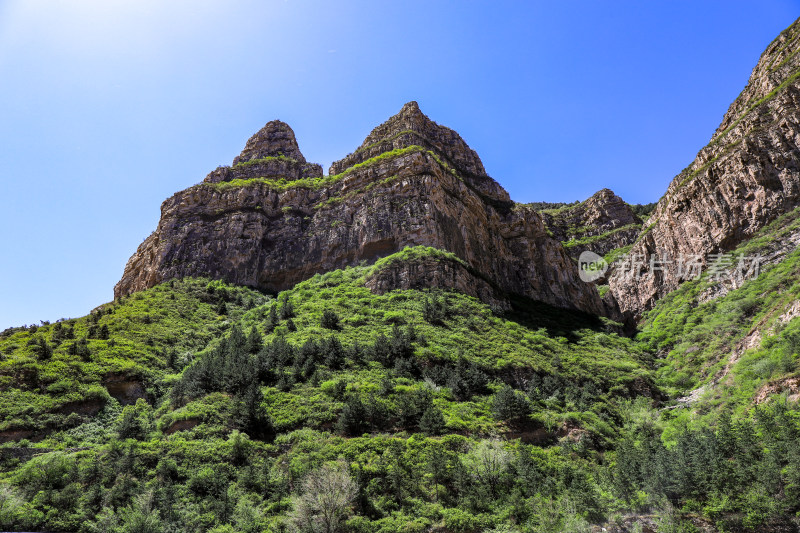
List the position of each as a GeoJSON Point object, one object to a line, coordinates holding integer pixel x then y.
{"type": "Point", "coordinates": [272, 318]}
{"type": "Point", "coordinates": [351, 421]}
{"type": "Point", "coordinates": [287, 309]}
{"type": "Point", "coordinates": [432, 421]}
{"type": "Point", "coordinates": [330, 320]}
{"type": "Point", "coordinates": [254, 340]}
{"type": "Point", "coordinates": [509, 404]}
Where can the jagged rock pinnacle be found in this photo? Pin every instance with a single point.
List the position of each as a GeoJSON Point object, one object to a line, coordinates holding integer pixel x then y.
{"type": "Point", "coordinates": [276, 138]}
{"type": "Point", "coordinates": [411, 108]}
{"type": "Point", "coordinates": [410, 126]}
{"type": "Point", "coordinates": [604, 221]}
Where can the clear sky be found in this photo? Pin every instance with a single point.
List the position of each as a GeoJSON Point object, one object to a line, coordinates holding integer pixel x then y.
{"type": "Point", "coordinates": [110, 106]}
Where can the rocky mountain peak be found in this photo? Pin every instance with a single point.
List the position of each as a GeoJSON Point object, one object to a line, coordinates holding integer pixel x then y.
{"type": "Point", "coordinates": [606, 208]}
{"type": "Point", "coordinates": [410, 117]}
{"type": "Point", "coordinates": [604, 195]}
{"type": "Point", "coordinates": [275, 139]}
{"type": "Point", "coordinates": [411, 108]}
{"type": "Point", "coordinates": [601, 223]}
{"type": "Point", "coordinates": [271, 153]}
{"type": "Point", "coordinates": [410, 126]}
{"type": "Point", "coordinates": [261, 222]}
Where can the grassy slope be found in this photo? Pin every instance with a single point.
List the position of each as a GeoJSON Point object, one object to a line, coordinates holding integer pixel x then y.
{"type": "Point", "coordinates": [531, 340]}
{"type": "Point", "coordinates": [578, 353]}
{"type": "Point", "coordinates": [697, 339]}
{"type": "Point", "coordinates": [198, 471]}
{"type": "Point", "coordinates": [179, 317]}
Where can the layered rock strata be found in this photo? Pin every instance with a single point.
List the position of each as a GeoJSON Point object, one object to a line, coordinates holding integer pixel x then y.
{"type": "Point", "coordinates": [601, 223]}
{"type": "Point", "coordinates": [264, 223]}
{"type": "Point", "coordinates": [744, 178]}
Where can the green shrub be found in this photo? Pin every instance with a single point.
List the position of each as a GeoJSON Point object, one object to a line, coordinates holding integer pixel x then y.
{"type": "Point", "coordinates": [509, 404]}
{"type": "Point", "coordinates": [432, 421]}
{"type": "Point", "coordinates": [329, 320]}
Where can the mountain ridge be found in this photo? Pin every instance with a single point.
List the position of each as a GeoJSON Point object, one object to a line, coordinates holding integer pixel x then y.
{"type": "Point", "coordinates": [746, 176]}
{"type": "Point", "coordinates": [271, 220]}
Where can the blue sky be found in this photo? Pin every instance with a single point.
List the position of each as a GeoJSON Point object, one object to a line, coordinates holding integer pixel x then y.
{"type": "Point", "coordinates": [110, 106]}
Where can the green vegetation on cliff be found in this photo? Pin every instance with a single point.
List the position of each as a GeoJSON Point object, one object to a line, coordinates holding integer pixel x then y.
{"type": "Point", "coordinates": [585, 241]}
{"type": "Point", "coordinates": [282, 184]}
{"type": "Point", "coordinates": [241, 396]}
{"type": "Point", "coordinates": [199, 406]}
{"type": "Point", "coordinates": [735, 340]}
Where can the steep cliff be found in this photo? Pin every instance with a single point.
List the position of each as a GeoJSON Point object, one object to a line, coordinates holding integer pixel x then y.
{"type": "Point", "coordinates": [272, 220]}
{"type": "Point", "coordinates": [744, 178]}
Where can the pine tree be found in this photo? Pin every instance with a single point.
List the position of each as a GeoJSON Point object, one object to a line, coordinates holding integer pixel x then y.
{"type": "Point", "coordinates": [287, 309]}
{"type": "Point", "coordinates": [334, 353]}
{"type": "Point", "coordinates": [58, 333]}
{"type": "Point", "coordinates": [508, 404]}
{"type": "Point", "coordinates": [239, 371]}
{"type": "Point", "coordinates": [330, 320]}
{"type": "Point", "coordinates": [41, 348]}
{"type": "Point", "coordinates": [435, 309]}
{"type": "Point", "coordinates": [135, 421]}
{"type": "Point", "coordinates": [249, 414]}
{"type": "Point", "coordinates": [236, 341]}
{"type": "Point", "coordinates": [272, 318]}
{"type": "Point", "coordinates": [376, 412]}
{"type": "Point", "coordinates": [80, 348]}
{"type": "Point", "coordinates": [432, 421]}
{"type": "Point", "coordinates": [412, 406]}
{"type": "Point", "coordinates": [351, 421]}
{"type": "Point", "coordinates": [254, 340]}
{"type": "Point", "coordinates": [285, 381]}
{"type": "Point", "coordinates": [401, 345]}
{"type": "Point", "coordinates": [380, 349]}
{"type": "Point", "coordinates": [172, 358]}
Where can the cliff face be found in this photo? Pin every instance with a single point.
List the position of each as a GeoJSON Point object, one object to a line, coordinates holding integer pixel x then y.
{"type": "Point", "coordinates": [601, 223]}
{"type": "Point", "coordinates": [745, 177]}
{"type": "Point", "coordinates": [272, 220]}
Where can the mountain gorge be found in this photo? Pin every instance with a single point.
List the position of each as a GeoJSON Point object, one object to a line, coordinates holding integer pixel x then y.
{"type": "Point", "coordinates": [398, 346]}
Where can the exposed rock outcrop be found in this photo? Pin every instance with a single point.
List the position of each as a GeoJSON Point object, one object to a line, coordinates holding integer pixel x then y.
{"type": "Point", "coordinates": [435, 272]}
{"type": "Point", "coordinates": [411, 127]}
{"type": "Point", "coordinates": [273, 152]}
{"type": "Point", "coordinates": [181, 425]}
{"type": "Point", "coordinates": [411, 183]}
{"type": "Point", "coordinates": [275, 139]}
{"type": "Point", "coordinates": [124, 389]}
{"type": "Point", "coordinates": [745, 177]}
{"type": "Point", "coordinates": [601, 223]}
{"type": "Point", "coordinates": [789, 386]}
